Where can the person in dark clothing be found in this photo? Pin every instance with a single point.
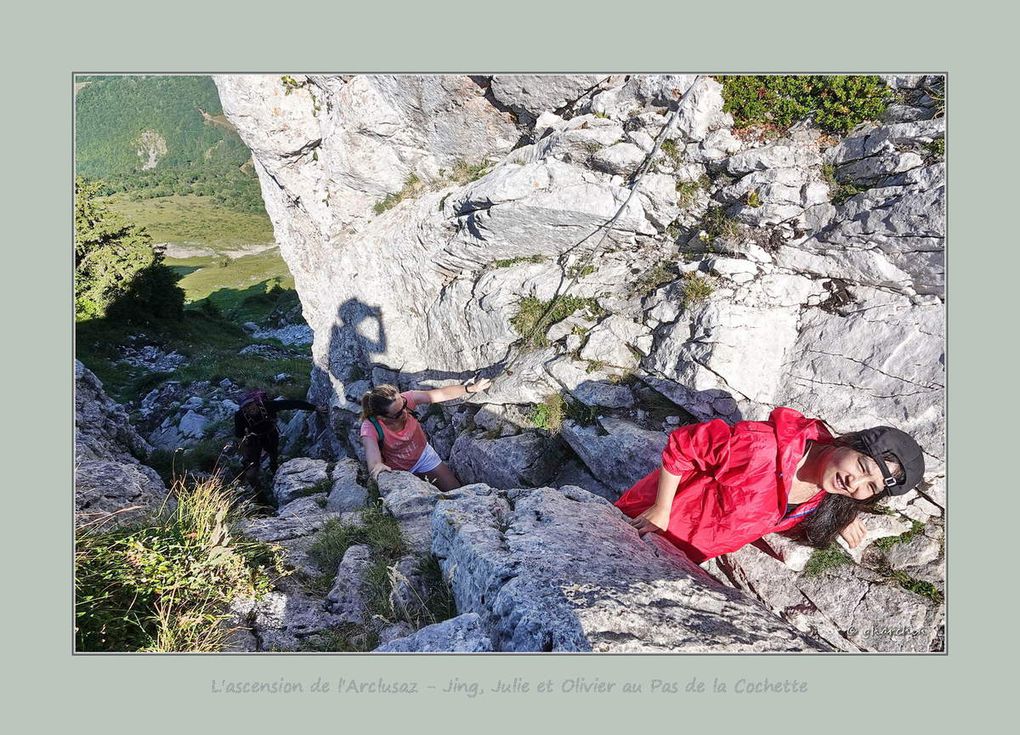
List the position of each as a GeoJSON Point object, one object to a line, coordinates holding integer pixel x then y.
{"type": "Point", "coordinates": [255, 427]}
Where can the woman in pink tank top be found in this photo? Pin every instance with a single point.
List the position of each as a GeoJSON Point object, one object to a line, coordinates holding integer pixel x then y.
{"type": "Point", "coordinates": [404, 446]}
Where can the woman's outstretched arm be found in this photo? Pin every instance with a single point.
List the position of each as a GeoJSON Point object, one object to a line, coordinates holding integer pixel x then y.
{"type": "Point", "coordinates": [438, 395]}
{"type": "Point", "coordinates": [656, 518]}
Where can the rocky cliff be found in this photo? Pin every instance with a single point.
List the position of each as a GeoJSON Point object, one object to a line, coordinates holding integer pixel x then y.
{"type": "Point", "coordinates": [112, 487]}
{"type": "Point", "coordinates": [700, 271]}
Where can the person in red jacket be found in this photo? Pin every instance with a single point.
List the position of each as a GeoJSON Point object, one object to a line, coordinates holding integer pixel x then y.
{"type": "Point", "coordinates": [721, 487]}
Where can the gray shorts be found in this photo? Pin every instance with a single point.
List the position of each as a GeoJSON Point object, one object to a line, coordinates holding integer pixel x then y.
{"type": "Point", "coordinates": [428, 460]}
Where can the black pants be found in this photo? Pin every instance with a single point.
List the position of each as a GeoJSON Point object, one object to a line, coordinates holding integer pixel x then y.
{"type": "Point", "coordinates": [252, 447]}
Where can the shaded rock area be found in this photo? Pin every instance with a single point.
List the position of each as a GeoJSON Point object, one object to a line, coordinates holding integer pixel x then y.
{"type": "Point", "coordinates": [112, 487]}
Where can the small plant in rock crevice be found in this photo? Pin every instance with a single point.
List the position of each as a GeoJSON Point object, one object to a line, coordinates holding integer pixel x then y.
{"type": "Point", "coordinates": [549, 413]}
{"type": "Point", "coordinates": [695, 289]}
{"type": "Point", "coordinates": [838, 192]}
{"type": "Point", "coordinates": [510, 262]}
{"type": "Point", "coordinates": [532, 320]}
{"type": "Point", "coordinates": [412, 187]}
{"type": "Point", "coordinates": [824, 560]}
{"type": "Point", "coordinates": [717, 224]}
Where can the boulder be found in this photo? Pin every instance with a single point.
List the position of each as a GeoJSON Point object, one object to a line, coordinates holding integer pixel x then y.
{"type": "Point", "coordinates": [524, 460]}
{"type": "Point", "coordinates": [110, 493]}
{"type": "Point", "coordinates": [617, 452]}
{"type": "Point", "coordinates": [346, 599]}
{"type": "Point", "coordinates": [561, 570]}
{"type": "Point", "coordinates": [300, 476]}
{"type": "Point", "coordinates": [462, 634]}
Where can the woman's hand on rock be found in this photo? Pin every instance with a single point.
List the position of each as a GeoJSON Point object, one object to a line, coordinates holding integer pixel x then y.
{"type": "Point", "coordinates": [378, 470]}
{"type": "Point", "coordinates": [479, 385]}
{"type": "Point", "coordinates": [653, 520]}
{"type": "Point", "coordinates": [854, 533]}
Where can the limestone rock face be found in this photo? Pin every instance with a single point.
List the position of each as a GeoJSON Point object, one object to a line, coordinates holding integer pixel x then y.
{"type": "Point", "coordinates": [111, 486]}
{"type": "Point", "coordinates": [560, 570]}
{"type": "Point", "coordinates": [430, 221]}
{"type": "Point", "coordinates": [101, 426]}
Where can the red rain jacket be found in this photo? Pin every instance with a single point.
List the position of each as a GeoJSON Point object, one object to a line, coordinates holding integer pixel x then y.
{"type": "Point", "coordinates": [734, 481]}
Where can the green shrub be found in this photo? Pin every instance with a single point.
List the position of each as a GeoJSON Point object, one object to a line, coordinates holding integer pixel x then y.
{"type": "Point", "coordinates": [165, 585]}
{"type": "Point", "coordinates": [838, 103]}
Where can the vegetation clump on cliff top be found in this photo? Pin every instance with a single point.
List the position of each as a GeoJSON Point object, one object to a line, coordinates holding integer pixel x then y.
{"type": "Point", "coordinates": [838, 103]}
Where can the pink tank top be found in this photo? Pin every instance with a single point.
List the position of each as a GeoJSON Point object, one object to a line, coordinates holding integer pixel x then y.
{"type": "Point", "coordinates": [400, 449]}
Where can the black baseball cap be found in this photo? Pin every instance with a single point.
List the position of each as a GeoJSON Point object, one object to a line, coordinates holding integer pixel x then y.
{"type": "Point", "coordinates": [882, 440]}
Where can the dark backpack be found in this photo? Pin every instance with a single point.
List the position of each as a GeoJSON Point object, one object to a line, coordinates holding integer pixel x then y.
{"type": "Point", "coordinates": [253, 407]}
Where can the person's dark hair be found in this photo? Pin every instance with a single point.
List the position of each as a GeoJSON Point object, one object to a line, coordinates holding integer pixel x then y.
{"type": "Point", "coordinates": [832, 515]}
{"type": "Point", "coordinates": [377, 400]}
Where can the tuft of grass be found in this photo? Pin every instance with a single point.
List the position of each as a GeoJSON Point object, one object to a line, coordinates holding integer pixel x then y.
{"type": "Point", "coordinates": [549, 413]}
{"type": "Point", "coordinates": [379, 530]}
{"type": "Point", "coordinates": [412, 187]}
{"type": "Point", "coordinates": [823, 560]}
{"type": "Point", "coordinates": [838, 192]}
{"type": "Point", "coordinates": [925, 589]}
{"type": "Point", "coordinates": [687, 191]}
{"type": "Point", "coordinates": [580, 271]}
{"type": "Point", "coordinates": [658, 275]}
{"type": "Point", "coordinates": [937, 148]}
{"type": "Point", "coordinates": [534, 316]}
{"type": "Point", "coordinates": [509, 262]}
{"type": "Point", "coordinates": [165, 584]}
{"type": "Point", "coordinates": [888, 542]}
{"type": "Point", "coordinates": [672, 151]}
{"type": "Point", "coordinates": [717, 224]}
{"type": "Point", "coordinates": [838, 103]}
{"type": "Point", "coordinates": [696, 289]}
{"type": "Point", "coordinates": [464, 172]}
{"type": "Point", "coordinates": [754, 199]}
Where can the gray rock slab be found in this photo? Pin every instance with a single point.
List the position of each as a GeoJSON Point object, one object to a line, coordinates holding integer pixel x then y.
{"type": "Point", "coordinates": [523, 460]}
{"type": "Point", "coordinates": [300, 476]}
{"type": "Point", "coordinates": [462, 634]}
{"type": "Point", "coordinates": [108, 493]}
{"type": "Point", "coordinates": [617, 452]}
{"type": "Point", "coordinates": [346, 598]}
{"type": "Point", "coordinates": [410, 500]}
{"type": "Point", "coordinates": [561, 570]}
